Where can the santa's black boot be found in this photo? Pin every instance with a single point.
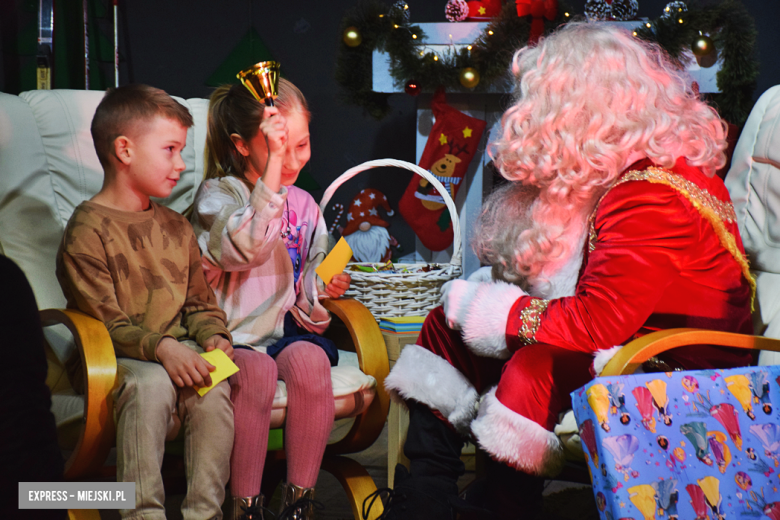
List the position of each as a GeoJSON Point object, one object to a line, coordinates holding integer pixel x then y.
{"type": "Point", "coordinates": [426, 491]}
{"type": "Point", "coordinates": [512, 494]}
{"type": "Point", "coordinates": [504, 494]}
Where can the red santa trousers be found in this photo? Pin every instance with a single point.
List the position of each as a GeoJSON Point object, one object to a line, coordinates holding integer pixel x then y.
{"type": "Point", "coordinates": [533, 387]}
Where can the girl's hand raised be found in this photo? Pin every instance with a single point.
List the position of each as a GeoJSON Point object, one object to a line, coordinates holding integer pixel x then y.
{"type": "Point", "coordinates": [274, 129]}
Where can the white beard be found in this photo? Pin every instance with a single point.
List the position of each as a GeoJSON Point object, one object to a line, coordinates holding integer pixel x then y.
{"type": "Point", "coordinates": [558, 278]}
{"type": "Point", "coordinates": [369, 246]}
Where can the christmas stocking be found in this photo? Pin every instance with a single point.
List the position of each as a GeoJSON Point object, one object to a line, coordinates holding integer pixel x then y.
{"type": "Point", "coordinates": [451, 146]}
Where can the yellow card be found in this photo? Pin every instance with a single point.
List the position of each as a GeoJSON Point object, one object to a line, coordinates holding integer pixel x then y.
{"type": "Point", "coordinates": [335, 262]}
{"type": "Point", "coordinates": [225, 368]}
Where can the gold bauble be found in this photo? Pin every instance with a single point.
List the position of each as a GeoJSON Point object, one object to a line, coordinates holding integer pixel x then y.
{"type": "Point", "coordinates": [702, 45]}
{"type": "Point", "coordinates": [352, 37]}
{"type": "Point", "coordinates": [469, 77]}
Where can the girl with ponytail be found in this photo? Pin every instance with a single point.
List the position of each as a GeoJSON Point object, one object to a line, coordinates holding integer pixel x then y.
{"type": "Point", "coordinates": [261, 238]}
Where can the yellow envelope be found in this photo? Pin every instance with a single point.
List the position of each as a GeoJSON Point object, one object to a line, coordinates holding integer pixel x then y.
{"type": "Point", "coordinates": [225, 368]}
{"type": "Point", "coordinates": [335, 262]}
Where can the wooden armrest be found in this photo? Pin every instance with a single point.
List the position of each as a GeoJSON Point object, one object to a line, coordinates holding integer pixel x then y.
{"type": "Point", "coordinates": [629, 358]}
{"type": "Point", "coordinates": [97, 356]}
{"type": "Point", "coordinates": [372, 359]}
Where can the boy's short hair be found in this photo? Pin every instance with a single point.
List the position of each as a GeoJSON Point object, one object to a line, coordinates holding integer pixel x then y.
{"type": "Point", "coordinates": [125, 106]}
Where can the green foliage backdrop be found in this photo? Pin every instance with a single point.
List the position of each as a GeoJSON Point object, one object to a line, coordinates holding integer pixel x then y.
{"type": "Point", "coordinates": [727, 22]}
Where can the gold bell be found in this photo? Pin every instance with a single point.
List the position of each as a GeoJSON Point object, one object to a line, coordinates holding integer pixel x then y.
{"type": "Point", "coordinates": [262, 80]}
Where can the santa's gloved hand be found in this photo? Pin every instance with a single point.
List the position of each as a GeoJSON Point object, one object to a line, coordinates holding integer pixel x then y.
{"type": "Point", "coordinates": [481, 311]}
{"type": "Point", "coordinates": [456, 296]}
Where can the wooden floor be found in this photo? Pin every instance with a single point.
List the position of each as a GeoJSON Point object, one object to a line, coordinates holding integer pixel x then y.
{"type": "Point", "coordinates": [328, 490]}
{"type": "Point", "coordinates": [565, 501]}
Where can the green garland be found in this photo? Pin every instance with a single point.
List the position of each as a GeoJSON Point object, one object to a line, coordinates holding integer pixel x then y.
{"type": "Point", "coordinates": [728, 23]}
{"type": "Point", "coordinates": [389, 31]}
{"type": "Point", "coordinates": [733, 31]}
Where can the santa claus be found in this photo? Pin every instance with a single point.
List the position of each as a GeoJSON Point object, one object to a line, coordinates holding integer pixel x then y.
{"type": "Point", "coordinates": [612, 226]}
{"type": "Point", "coordinates": [366, 231]}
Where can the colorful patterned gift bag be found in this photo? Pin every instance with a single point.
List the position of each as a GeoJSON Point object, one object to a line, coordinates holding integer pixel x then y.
{"type": "Point", "coordinates": [690, 445]}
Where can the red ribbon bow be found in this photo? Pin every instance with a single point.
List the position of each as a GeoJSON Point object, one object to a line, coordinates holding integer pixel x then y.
{"type": "Point", "coordinates": [539, 10]}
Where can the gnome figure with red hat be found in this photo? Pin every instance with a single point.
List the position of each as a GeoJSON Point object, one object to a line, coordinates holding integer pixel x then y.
{"type": "Point", "coordinates": [366, 232]}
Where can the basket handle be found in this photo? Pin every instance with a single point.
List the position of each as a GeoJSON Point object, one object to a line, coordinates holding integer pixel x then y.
{"type": "Point", "coordinates": [379, 163]}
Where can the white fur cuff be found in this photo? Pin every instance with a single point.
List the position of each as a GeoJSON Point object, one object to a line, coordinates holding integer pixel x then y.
{"type": "Point", "coordinates": [484, 327]}
{"type": "Point", "coordinates": [509, 437]}
{"type": "Point", "coordinates": [421, 375]}
{"type": "Point", "coordinates": [602, 357]}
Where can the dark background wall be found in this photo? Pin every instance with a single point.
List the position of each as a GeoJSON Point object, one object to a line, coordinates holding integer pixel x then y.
{"type": "Point", "coordinates": [179, 45]}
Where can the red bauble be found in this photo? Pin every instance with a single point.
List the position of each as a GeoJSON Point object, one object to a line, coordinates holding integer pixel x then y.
{"type": "Point", "coordinates": [456, 10]}
{"type": "Point", "coordinates": [412, 88]}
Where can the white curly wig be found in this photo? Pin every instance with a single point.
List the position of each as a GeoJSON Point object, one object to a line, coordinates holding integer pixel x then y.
{"type": "Point", "coordinates": [590, 98]}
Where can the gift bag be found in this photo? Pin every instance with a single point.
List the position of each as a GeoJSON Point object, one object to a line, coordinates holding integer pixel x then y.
{"type": "Point", "coordinates": [688, 445]}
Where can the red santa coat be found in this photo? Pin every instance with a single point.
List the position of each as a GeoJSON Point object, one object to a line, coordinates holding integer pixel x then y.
{"type": "Point", "coordinates": [663, 251]}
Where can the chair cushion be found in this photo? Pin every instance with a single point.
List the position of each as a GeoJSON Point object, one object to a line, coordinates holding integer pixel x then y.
{"type": "Point", "coordinates": [569, 434]}
{"type": "Point", "coordinates": [68, 410]}
{"type": "Point", "coordinates": [353, 392]}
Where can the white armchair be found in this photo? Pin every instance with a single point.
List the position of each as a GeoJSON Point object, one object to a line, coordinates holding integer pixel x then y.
{"type": "Point", "coordinates": [754, 184]}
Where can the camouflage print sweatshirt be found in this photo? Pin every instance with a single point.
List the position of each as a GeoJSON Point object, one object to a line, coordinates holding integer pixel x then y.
{"type": "Point", "coordinates": [140, 274]}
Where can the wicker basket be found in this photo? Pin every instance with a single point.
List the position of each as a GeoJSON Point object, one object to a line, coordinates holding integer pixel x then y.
{"type": "Point", "coordinates": [401, 294]}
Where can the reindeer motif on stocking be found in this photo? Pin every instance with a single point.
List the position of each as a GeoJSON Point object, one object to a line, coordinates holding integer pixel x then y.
{"type": "Point", "coordinates": [444, 171]}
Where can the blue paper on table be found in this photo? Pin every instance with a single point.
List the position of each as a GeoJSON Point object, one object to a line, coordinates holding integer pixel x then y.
{"type": "Point", "coordinates": [693, 445]}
